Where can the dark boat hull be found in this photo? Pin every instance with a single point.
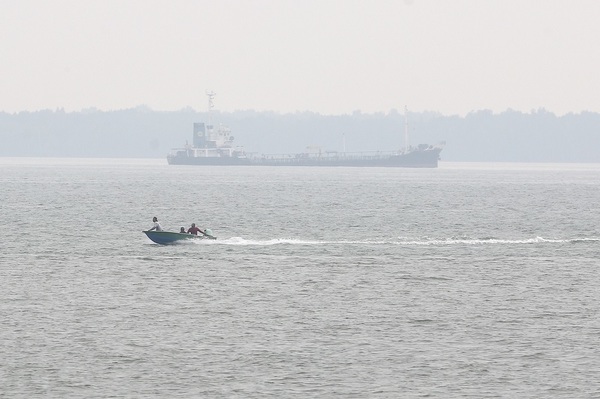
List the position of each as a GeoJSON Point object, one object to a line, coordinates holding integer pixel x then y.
{"type": "Point", "coordinates": [169, 237]}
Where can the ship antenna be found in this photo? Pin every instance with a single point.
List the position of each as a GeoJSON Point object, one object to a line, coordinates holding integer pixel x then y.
{"type": "Point", "coordinates": [406, 145]}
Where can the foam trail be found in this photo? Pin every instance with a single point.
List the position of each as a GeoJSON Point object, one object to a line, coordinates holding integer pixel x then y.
{"type": "Point", "coordinates": [490, 241]}
{"type": "Point", "coordinates": [402, 241]}
{"type": "Point", "coordinates": [279, 241]}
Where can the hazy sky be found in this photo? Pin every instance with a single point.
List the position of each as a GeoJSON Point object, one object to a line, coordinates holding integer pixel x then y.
{"type": "Point", "coordinates": [326, 56]}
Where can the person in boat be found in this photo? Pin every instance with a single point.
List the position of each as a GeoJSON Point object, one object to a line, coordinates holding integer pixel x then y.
{"type": "Point", "coordinates": [194, 230]}
{"type": "Point", "coordinates": [182, 230]}
{"type": "Point", "coordinates": [157, 225]}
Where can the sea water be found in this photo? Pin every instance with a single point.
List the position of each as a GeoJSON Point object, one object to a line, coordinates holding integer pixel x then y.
{"type": "Point", "coordinates": [470, 280]}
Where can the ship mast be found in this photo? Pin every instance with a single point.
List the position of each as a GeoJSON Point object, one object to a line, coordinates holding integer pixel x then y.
{"type": "Point", "coordinates": [211, 95]}
{"type": "Point", "coordinates": [406, 145]}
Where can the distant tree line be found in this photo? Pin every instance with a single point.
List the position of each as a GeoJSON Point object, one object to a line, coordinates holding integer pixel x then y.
{"type": "Point", "coordinates": [510, 136]}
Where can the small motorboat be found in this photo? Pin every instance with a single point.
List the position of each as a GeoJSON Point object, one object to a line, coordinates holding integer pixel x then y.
{"type": "Point", "coordinates": [171, 237]}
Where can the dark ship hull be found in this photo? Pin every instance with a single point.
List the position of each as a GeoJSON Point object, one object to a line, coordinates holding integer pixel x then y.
{"type": "Point", "coordinates": [422, 157]}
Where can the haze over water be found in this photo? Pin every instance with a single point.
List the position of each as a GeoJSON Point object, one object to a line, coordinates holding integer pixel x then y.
{"type": "Point", "coordinates": [331, 57]}
{"type": "Point", "coordinates": [470, 280]}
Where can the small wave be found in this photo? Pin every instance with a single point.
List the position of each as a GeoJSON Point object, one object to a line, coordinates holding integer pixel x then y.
{"type": "Point", "coordinates": [577, 240]}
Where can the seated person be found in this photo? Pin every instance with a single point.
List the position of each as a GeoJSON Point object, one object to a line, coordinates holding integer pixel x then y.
{"type": "Point", "coordinates": [157, 225]}
{"type": "Point", "coordinates": [194, 230]}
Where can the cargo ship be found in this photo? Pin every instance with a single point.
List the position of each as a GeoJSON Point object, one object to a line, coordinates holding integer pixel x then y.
{"type": "Point", "coordinates": [213, 145]}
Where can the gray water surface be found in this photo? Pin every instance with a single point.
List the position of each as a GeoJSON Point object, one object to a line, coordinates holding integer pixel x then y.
{"type": "Point", "coordinates": [470, 280]}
